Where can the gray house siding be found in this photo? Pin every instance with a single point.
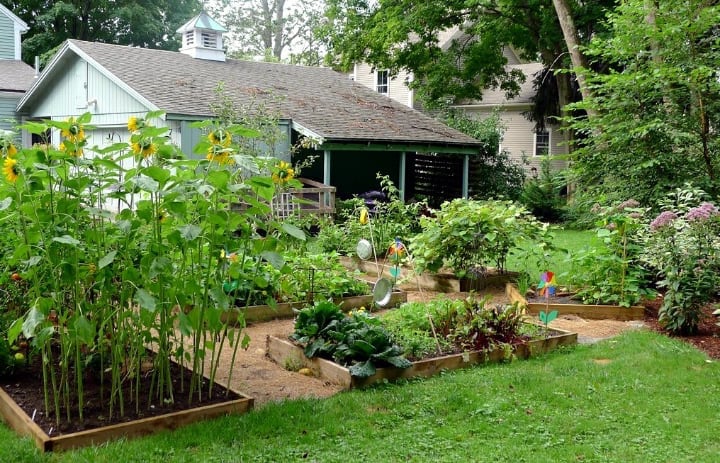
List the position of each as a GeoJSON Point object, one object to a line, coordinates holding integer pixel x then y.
{"type": "Point", "coordinates": [7, 37]}
{"type": "Point", "coordinates": [8, 101]}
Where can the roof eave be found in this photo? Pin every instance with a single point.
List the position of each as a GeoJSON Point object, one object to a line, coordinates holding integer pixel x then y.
{"type": "Point", "coordinates": [347, 144]}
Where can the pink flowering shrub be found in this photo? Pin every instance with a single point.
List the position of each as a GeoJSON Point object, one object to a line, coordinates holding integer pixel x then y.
{"type": "Point", "coordinates": [684, 251]}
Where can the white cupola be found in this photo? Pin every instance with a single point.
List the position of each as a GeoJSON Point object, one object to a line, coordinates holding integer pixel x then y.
{"type": "Point", "coordinates": [202, 38]}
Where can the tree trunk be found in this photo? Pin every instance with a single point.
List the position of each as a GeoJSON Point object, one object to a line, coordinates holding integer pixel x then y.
{"type": "Point", "coordinates": [573, 45]}
{"type": "Point", "coordinates": [279, 28]}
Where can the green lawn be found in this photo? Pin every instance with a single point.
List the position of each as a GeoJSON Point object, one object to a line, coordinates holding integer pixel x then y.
{"type": "Point", "coordinates": [566, 242]}
{"type": "Point", "coordinates": [641, 397]}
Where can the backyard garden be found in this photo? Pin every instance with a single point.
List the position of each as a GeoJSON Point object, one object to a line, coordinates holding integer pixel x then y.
{"type": "Point", "coordinates": [120, 323]}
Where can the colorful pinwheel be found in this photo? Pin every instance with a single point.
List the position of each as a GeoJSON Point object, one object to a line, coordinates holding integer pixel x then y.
{"type": "Point", "coordinates": [546, 287]}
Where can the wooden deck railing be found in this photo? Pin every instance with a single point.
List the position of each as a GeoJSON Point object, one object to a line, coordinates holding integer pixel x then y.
{"type": "Point", "coordinates": [313, 198]}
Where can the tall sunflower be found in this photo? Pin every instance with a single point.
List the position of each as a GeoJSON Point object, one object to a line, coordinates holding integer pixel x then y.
{"type": "Point", "coordinates": [74, 131]}
{"type": "Point", "coordinates": [71, 149]}
{"type": "Point", "coordinates": [144, 147]}
{"type": "Point", "coordinates": [219, 154]}
{"type": "Point", "coordinates": [7, 147]}
{"type": "Point", "coordinates": [283, 173]}
{"type": "Point", "coordinates": [220, 137]}
{"type": "Point", "coordinates": [135, 123]}
{"type": "Point", "coordinates": [10, 169]}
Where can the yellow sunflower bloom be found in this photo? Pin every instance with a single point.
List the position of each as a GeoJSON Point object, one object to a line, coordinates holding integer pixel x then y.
{"type": "Point", "coordinates": [216, 153]}
{"type": "Point", "coordinates": [135, 123]}
{"type": "Point", "coordinates": [77, 151]}
{"type": "Point", "coordinates": [283, 173]}
{"type": "Point", "coordinates": [220, 137]}
{"type": "Point", "coordinates": [7, 148]}
{"type": "Point", "coordinates": [144, 147]}
{"type": "Point", "coordinates": [74, 132]}
{"type": "Point", "coordinates": [10, 170]}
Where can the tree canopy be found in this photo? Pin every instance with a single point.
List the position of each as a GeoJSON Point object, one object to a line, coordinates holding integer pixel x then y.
{"type": "Point", "coordinates": [404, 35]}
{"type": "Point", "coordinates": [126, 22]}
{"type": "Point", "coordinates": [658, 103]}
{"type": "Point", "coordinates": [274, 29]}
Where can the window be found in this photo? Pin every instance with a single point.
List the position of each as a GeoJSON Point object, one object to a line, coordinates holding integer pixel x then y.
{"type": "Point", "coordinates": [542, 142]}
{"type": "Point", "coordinates": [381, 82]}
{"type": "Point", "coordinates": [189, 38]}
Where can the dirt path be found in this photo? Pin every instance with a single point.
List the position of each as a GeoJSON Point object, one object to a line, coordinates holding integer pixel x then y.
{"type": "Point", "coordinates": [258, 377]}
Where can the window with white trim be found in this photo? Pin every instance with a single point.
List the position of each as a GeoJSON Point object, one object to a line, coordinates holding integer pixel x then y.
{"type": "Point", "coordinates": [381, 82]}
{"type": "Point", "coordinates": [542, 142]}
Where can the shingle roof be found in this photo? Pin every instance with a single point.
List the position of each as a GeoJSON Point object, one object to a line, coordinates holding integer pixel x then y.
{"type": "Point", "coordinates": [15, 76]}
{"type": "Point", "coordinates": [319, 99]}
{"type": "Point", "coordinates": [496, 97]}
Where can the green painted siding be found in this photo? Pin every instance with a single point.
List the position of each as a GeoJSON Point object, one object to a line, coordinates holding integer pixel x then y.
{"type": "Point", "coordinates": [191, 136]}
{"type": "Point", "coordinates": [7, 37]}
{"type": "Point", "coordinates": [8, 102]}
{"type": "Point", "coordinates": [67, 96]}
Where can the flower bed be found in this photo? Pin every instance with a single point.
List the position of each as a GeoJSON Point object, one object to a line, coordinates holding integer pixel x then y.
{"type": "Point", "coordinates": [588, 311]}
{"type": "Point", "coordinates": [284, 352]}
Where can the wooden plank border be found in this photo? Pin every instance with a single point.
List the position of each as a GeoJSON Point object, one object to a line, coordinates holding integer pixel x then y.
{"type": "Point", "coordinates": [22, 424]}
{"type": "Point", "coordinates": [441, 281]}
{"type": "Point", "coordinates": [587, 311]}
{"type": "Point", "coordinates": [263, 313]}
{"type": "Point", "coordinates": [284, 352]}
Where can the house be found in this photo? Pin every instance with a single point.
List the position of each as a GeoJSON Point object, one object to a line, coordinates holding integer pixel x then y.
{"type": "Point", "coordinates": [354, 131]}
{"type": "Point", "coordinates": [523, 143]}
{"type": "Point", "coordinates": [16, 77]}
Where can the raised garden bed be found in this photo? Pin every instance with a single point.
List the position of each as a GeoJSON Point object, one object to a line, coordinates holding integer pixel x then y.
{"type": "Point", "coordinates": [25, 416]}
{"type": "Point", "coordinates": [568, 307]}
{"type": "Point", "coordinates": [285, 353]}
{"type": "Point", "coordinates": [263, 313]}
{"type": "Point", "coordinates": [445, 282]}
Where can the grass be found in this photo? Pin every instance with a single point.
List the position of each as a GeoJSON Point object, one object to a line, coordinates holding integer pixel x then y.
{"type": "Point", "coordinates": [566, 241]}
{"type": "Point", "coordinates": [637, 398]}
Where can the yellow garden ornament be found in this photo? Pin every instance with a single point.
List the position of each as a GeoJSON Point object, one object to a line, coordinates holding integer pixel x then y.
{"type": "Point", "coordinates": [363, 216]}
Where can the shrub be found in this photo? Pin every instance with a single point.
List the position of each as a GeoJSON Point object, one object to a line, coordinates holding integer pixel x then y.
{"type": "Point", "coordinates": [542, 195]}
{"type": "Point", "coordinates": [684, 251]}
{"type": "Point", "coordinates": [470, 236]}
{"type": "Point", "coordinates": [613, 273]}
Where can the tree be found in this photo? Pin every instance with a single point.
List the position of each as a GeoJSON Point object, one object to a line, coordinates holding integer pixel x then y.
{"type": "Point", "coordinates": [125, 22]}
{"type": "Point", "coordinates": [658, 104]}
{"type": "Point", "coordinates": [274, 29]}
{"type": "Point", "coordinates": [403, 35]}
